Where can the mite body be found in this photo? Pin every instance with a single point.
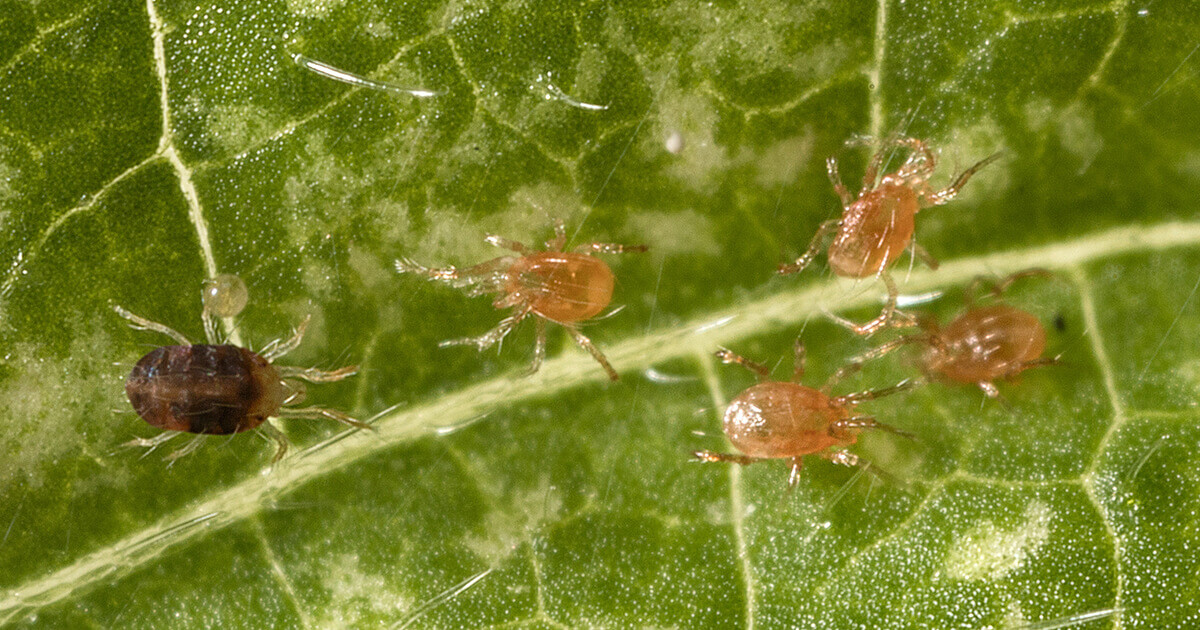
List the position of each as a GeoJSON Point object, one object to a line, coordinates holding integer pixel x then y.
{"type": "Point", "coordinates": [209, 389]}
{"type": "Point", "coordinates": [986, 344]}
{"type": "Point", "coordinates": [220, 389]}
{"type": "Point", "coordinates": [787, 420]}
{"type": "Point", "coordinates": [983, 345]}
{"type": "Point", "coordinates": [877, 226]}
{"type": "Point", "coordinates": [552, 285]}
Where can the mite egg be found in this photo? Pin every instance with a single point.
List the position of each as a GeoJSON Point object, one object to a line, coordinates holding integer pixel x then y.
{"type": "Point", "coordinates": [225, 295]}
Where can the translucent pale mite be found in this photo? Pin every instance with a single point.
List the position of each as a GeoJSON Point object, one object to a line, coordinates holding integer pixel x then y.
{"type": "Point", "coordinates": [551, 285]}
{"type": "Point", "coordinates": [220, 389]}
{"type": "Point", "coordinates": [983, 345]}
{"type": "Point", "coordinates": [877, 226]}
{"type": "Point", "coordinates": [787, 420]}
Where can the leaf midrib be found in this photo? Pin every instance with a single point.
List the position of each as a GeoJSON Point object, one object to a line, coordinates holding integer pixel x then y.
{"type": "Point", "coordinates": [398, 425]}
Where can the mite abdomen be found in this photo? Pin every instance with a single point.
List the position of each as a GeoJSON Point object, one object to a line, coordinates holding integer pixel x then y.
{"type": "Point", "coordinates": [211, 389]}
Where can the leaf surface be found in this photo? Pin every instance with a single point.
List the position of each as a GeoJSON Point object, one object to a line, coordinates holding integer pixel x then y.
{"type": "Point", "coordinates": [144, 148]}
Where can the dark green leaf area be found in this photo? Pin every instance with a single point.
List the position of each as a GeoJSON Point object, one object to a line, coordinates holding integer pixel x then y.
{"type": "Point", "coordinates": [1147, 481]}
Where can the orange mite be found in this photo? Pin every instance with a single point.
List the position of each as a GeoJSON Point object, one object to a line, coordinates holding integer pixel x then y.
{"type": "Point", "coordinates": [220, 389]}
{"type": "Point", "coordinates": [787, 420]}
{"type": "Point", "coordinates": [983, 345]}
{"type": "Point", "coordinates": [552, 285]}
{"type": "Point", "coordinates": [877, 227]}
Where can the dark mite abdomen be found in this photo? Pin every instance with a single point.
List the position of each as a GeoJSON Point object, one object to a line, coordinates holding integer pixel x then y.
{"type": "Point", "coordinates": [211, 389]}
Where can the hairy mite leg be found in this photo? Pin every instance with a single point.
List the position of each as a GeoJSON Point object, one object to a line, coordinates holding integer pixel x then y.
{"type": "Point", "coordinates": [872, 394]}
{"type": "Point", "coordinates": [151, 443]}
{"type": "Point", "coordinates": [539, 346]}
{"type": "Point", "coordinates": [814, 247]}
{"type": "Point", "coordinates": [587, 344]}
{"type": "Point", "coordinates": [920, 164]}
{"type": "Point", "coordinates": [710, 457]}
{"type": "Point", "coordinates": [319, 413]}
{"type": "Point", "coordinates": [185, 450]}
{"type": "Point", "coordinates": [727, 356]}
{"type": "Point", "coordinates": [314, 375]}
{"type": "Point", "coordinates": [278, 348]}
{"type": "Point", "coordinates": [798, 360]}
{"type": "Point", "coordinates": [869, 422]}
{"type": "Point", "coordinates": [831, 167]}
{"type": "Point", "coordinates": [925, 256]}
{"type": "Point", "coordinates": [505, 243]}
{"type": "Point", "coordinates": [210, 326]}
{"type": "Point", "coordinates": [890, 317]}
{"type": "Point", "coordinates": [797, 464]}
{"type": "Point", "coordinates": [1002, 285]}
{"type": "Point", "coordinates": [609, 248]}
{"type": "Point", "coordinates": [486, 277]}
{"type": "Point", "coordinates": [275, 435]}
{"type": "Point", "coordinates": [141, 323]}
{"type": "Point", "coordinates": [946, 194]}
{"type": "Point", "coordinates": [491, 337]}
{"type": "Point", "coordinates": [560, 236]}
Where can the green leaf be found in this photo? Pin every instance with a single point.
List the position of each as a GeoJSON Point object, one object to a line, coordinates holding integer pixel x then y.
{"type": "Point", "coordinates": [144, 148]}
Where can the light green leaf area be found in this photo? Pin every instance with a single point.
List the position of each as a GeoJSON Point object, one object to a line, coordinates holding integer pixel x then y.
{"type": "Point", "coordinates": [145, 147]}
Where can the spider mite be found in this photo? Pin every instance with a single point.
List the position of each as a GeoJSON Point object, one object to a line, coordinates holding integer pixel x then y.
{"type": "Point", "coordinates": [214, 389]}
{"type": "Point", "coordinates": [877, 227]}
{"type": "Point", "coordinates": [550, 284]}
{"type": "Point", "coordinates": [787, 420]}
{"type": "Point", "coordinates": [983, 345]}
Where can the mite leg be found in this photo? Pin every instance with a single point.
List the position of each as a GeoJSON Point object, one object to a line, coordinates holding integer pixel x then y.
{"type": "Point", "coordinates": [485, 277]}
{"type": "Point", "coordinates": [186, 450]}
{"type": "Point", "coordinates": [849, 459]}
{"type": "Point", "coordinates": [872, 394]}
{"type": "Point", "coordinates": [314, 375]}
{"type": "Point", "coordinates": [539, 346]}
{"type": "Point", "coordinates": [587, 344]}
{"type": "Point", "coordinates": [276, 436]}
{"type": "Point", "coordinates": [814, 247]}
{"type": "Point", "coordinates": [876, 161]}
{"type": "Point", "coordinates": [888, 318]}
{"type": "Point", "coordinates": [925, 256]}
{"type": "Point", "coordinates": [989, 388]}
{"type": "Point", "coordinates": [946, 194]}
{"type": "Point", "coordinates": [798, 360]}
{"type": "Point", "coordinates": [727, 356]}
{"type": "Point", "coordinates": [504, 243]}
{"type": "Point", "coordinates": [210, 326]}
{"type": "Point", "coordinates": [321, 413]}
{"type": "Point", "coordinates": [609, 248]}
{"type": "Point", "coordinates": [491, 337]}
{"type": "Point", "coordinates": [141, 323]}
{"type": "Point", "coordinates": [560, 236]}
{"type": "Point", "coordinates": [831, 167]}
{"type": "Point", "coordinates": [869, 422]}
{"type": "Point", "coordinates": [279, 347]}
{"type": "Point", "coordinates": [845, 458]}
{"type": "Point", "coordinates": [920, 164]}
{"type": "Point", "coordinates": [151, 443]}
{"type": "Point", "coordinates": [794, 475]}
{"type": "Point", "coordinates": [856, 364]}
{"type": "Point", "coordinates": [1000, 286]}
{"type": "Point", "coordinates": [709, 457]}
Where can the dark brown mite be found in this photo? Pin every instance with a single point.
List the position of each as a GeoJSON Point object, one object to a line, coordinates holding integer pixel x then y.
{"type": "Point", "coordinates": [982, 345]}
{"type": "Point", "coordinates": [787, 420]}
{"type": "Point", "coordinates": [220, 389]}
{"type": "Point", "coordinates": [877, 226]}
{"type": "Point", "coordinates": [551, 285]}
{"type": "Point", "coordinates": [214, 390]}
